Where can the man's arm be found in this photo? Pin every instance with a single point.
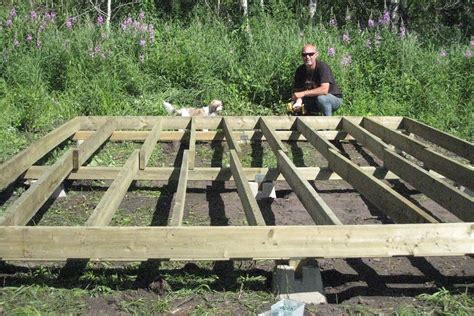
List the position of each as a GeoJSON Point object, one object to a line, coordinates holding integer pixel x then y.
{"type": "Point", "coordinates": [323, 89]}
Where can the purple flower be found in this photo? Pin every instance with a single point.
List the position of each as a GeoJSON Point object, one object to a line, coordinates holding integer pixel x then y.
{"type": "Point", "coordinates": [141, 15]}
{"type": "Point", "coordinates": [69, 22]}
{"type": "Point", "coordinates": [385, 18]}
{"type": "Point", "coordinates": [49, 16]}
{"type": "Point", "coordinates": [13, 12]}
{"type": "Point", "coordinates": [9, 23]}
{"type": "Point", "coordinates": [331, 52]}
{"type": "Point", "coordinates": [29, 37]}
{"type": "Point", "coordinates": [443, 53]}
{"type": "Point", "coordinates": [142, 42]}
{"type": "Point", "coordinates": [346, 38]}
{"type": "Point", "coordinates": [371, 23]}
{"type": "Point", "coordinates": [468, 53]}
{"type": "Point", "coordinates": [402, 31]}
{"type": "Point", "coordinates": [126, 23]}
{"type": "Point", "coordinates": [346, 60]}
{"type": "Point", "coordinates": [333, 22]}
{"type": "Point", "coordinates": [100, 20]}
{"type": "Point", "coordinates": [33, 15]}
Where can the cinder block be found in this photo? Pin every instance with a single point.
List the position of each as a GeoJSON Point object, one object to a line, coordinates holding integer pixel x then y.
{"type": "Point", "coordinates": [308, 289]}
{"type": "Point", "coordinates": [254, 188]}
{"type": "Point", "coordinates": [59, 192]}
{"type": "Point", "coordinates": [267, 191]}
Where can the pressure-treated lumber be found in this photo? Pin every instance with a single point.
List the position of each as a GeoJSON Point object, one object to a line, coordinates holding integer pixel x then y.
{"type": "Point", "coordinates": [221, 243]}
{"type": "Point", "coordinates": [168, 136]}
{"type": "Point", "coordinates": [105, 210]}
{"type": "Point", "coordinates": [88, 147]}
{"type": "Point", "coordinates": [274, 142]}
{"type": "Point", "coordinates": [177, 213]}
{"type": "Point", "coordinates": [26, 206]}
{"type": "Point", "coordinates": [208, 173]}
{"type": "Point", "coordinates": [15, 166]}
{"type": "Point", "coordinates": [387, 200]}
{"type": "Point", "coordinates": [149, 144]}
{"type": "Point", "coordinates": [250, 205]}
{"type": "Point", "coordinates": [452, 169]}
{"type": "Point", "coordinates": [319, 211]}
{"type": "Point", "coordinates": [440, 138]}
{"type": "Point", "coordinates": [192, 143]}
{"type": "Point", "coordinates": [229, 136]}
{"type": "Point", "coordinates": [459, 203]}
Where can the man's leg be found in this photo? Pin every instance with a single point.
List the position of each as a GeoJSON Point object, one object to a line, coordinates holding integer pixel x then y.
{"type": "Point", "coordinates": [327, 104]}
{"type": "Point", "coordinates": [310, 105]}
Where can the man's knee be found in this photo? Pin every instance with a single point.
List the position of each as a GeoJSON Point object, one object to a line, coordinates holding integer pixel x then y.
{"type": "Point", "coordinates": [324, 100]}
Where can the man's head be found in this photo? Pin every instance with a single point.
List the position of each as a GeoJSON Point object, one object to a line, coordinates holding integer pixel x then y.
{"type": "Point", "coordinates": [309, 53]}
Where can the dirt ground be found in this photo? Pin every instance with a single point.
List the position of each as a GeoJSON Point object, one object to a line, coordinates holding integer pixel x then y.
{"type": "Point", "coordinates": [366, 286]}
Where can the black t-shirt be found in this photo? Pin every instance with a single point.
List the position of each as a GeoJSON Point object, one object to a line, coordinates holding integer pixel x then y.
{"type": "Point", "coordinates": [305, 80]}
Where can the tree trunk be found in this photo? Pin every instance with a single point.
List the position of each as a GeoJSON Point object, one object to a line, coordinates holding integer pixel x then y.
{"type": "Point", "coordinates": [244, 5]}
{"type": "Point", "coordinates": [109, 14]}
{"type": "Point", "coordinates": [312, 8]}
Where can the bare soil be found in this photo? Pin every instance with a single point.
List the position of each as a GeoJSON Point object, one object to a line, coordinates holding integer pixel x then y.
{"type": "Point", "coordinates": [371, 286]}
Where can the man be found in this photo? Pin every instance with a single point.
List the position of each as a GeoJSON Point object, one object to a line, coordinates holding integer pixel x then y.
{"type": "Point", "coordinates": [314, 85]}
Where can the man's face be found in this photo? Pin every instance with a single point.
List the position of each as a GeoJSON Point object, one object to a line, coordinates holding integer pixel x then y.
{"type": "Point", "coordinates": [309, 56]}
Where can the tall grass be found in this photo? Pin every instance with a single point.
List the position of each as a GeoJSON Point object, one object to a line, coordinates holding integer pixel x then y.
{"type": "Point", "coordinates": [54, 68]}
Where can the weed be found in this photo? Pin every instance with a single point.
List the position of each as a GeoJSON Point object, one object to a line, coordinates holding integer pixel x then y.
{"type": "Point", "coordinates": [450, 304]}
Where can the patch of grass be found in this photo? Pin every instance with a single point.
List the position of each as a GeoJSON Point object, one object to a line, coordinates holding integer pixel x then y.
{"type": "Point", "coordinates": [447, 303]}
{"type": "Point", "coordinates": [113, 154]}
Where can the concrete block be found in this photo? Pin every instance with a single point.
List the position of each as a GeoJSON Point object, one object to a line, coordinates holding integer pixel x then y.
{"type": "Point", "coordinates": [254, 188]}
{"type": "Point", "coordinates": [267, 191]}
{"type": "Point", "coordinates": [59, 192]}
{"type": "Point", "coordinates": [79, 141]}
{"type": "Point", "coordinates": [308, 289]}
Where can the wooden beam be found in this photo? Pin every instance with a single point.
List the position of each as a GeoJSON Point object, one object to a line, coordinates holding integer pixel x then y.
{"type": "Point", "coordinates": [16, 165]}
{"type": "Point", "coordinates": [105, 210]}
{"type": "Point", "coordinates": [229, 136]}
{"type": "Point", "coordinates": [250, 205]}
{"type": "Point", "coordinates": [89, 146]}
{"type": "Point", "coordinates": [452, 143]}
{"type": "Point", "coordinates": [26, 206]}
{"type": "Point", "coordinates": [168, 136]}
{"type": "Point", "coordinates": [149, 144]}
{"type": "Point", "coordinates": [387, 200]}
{"type": "Point", "coordinates": [459, 203]}
{"type": "Point", "coordinates": [177, 213]}
{"type": "Point", "coordinates": [235, 242]}
{"type": "Point", "coordinates": [452, 169]}
{"type": "Point", "coordinates": [273, 140]}
{"type": "Point", "coordinates": [208, 173]}
{"type": "Point", "coordinates": [319, 211]}
{"type": "Point", "coordinates": [192, 143]}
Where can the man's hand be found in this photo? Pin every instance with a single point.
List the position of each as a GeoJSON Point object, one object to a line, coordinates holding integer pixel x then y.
{"type": "Point", "coordinates": [298, 95]}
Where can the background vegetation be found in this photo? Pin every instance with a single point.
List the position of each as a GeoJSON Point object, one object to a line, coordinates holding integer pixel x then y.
{"type": "Point", "coordinates": [59, 60]}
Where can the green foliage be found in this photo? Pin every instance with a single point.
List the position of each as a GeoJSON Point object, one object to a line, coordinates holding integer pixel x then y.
{"type": "Point", "coordinates": [56, 68]}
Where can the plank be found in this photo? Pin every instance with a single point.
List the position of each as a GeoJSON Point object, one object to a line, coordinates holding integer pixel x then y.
{"type": "Point", "coordinates": [448, 167]}
{"type": "Point", "coordinates": [89, 146]}
{"type": "Point", "coordinates": [192, 143]}
{"type": "Point", "coordinates": [457, 202]}
{"type": "Point", "coordinates": [19, 163]}
{"type": "Point", "coordinates": [177, 213]}
{"type": "Point", "coordinates": [273, 140]}
{"type": "Point", "coordinates": [387, 200]}
{"type": "Point", "coordinates": [235, 242]}
{"type": "Point", "coordinates": [319, 211]}
{"type": "Point", "coordinates": [105, 210]}
{"type": "Point", "coordinates": [207, 173]}
{"type": "Point", "coordinates": [229, 136]}
{"type": "Point", "coordinates": [250, 205]}
{"type": "Point", "coordinates": [149, 144]}
{"type": "Point", "coordinates": [26, 206]}
{"type": "Point", "coordinates": [207, 136]}
{"type": "Point", "coordinates": [452, 143]}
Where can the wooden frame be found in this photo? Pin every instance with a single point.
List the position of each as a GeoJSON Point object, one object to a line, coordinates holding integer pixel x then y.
{"type": "Point", "coordinates": [419, 164]}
